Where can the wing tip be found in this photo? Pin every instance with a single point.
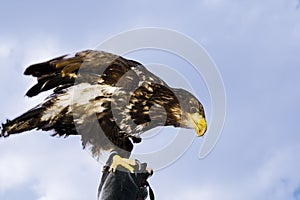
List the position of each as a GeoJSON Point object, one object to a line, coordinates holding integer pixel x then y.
{"type": "Point", "coordinates": [41, 68]}
{"type": "Point", "coordinates": [3, 129]}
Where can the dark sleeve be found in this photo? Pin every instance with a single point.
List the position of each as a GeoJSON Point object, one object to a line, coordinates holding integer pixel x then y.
{"type": "Point", "coordinates": [123, 185]}
{"type": "Point", "coordinates": [118, 186]}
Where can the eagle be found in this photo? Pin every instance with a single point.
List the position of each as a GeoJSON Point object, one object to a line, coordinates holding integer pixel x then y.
{"type": "Point", "coordinates": [108, 100]}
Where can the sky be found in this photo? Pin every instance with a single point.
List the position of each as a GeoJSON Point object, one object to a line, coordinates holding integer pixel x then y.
{"type": "Point", "coordinates": [255, 45]}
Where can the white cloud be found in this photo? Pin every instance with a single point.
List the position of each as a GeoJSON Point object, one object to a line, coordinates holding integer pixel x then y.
{"type": "Point", "coordinates": [6, 47]}
{"type": "Point", "coordinates": [19, 55]}
{"type": "Point", "coordinates": [40, 49]}
{"type": "Point", "coordinates": [276, 178]}
{"type": "Point", "coordinates": [54, 168]}
{"type": "Point", "coordinates": [14, 170]}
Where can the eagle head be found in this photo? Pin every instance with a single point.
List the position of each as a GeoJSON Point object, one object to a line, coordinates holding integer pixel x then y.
{"type": "Point", "coordinates": [192, 112]}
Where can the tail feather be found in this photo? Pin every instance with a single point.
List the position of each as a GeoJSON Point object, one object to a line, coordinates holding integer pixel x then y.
{"type": "Point", "coordinates": [26, 122]}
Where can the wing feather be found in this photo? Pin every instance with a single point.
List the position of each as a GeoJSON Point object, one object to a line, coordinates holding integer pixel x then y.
{"type": "Point", "coordinates": [65, 70]}
{"type": "Point", "coordinates": [122, 86]}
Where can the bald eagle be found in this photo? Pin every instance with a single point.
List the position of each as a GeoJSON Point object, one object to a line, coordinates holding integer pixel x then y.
{"type": "Point", "coordinates": [106, 99]}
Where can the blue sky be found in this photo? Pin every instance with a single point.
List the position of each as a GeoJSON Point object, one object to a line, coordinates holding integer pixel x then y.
{"type": "Point", "coordinates": [255, 45]}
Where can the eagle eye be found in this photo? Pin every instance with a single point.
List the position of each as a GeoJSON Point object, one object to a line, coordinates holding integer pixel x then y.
{"type": "Point", "coordinates": [193, 110]}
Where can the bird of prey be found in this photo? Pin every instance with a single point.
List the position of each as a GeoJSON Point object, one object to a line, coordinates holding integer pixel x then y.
{"type": "Point", "coordinates": [106, 99]}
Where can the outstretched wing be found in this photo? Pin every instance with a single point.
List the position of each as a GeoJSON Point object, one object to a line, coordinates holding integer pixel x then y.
{"type": "Point", "coordinates": [109, 90]}
{"type": "Point", "coordinates": [90, 66]}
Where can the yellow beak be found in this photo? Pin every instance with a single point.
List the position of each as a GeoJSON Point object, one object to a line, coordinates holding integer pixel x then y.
{"type": "Point", "coordinates": [199, 124]}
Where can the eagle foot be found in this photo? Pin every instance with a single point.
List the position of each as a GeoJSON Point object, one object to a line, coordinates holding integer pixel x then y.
{"type": "Point", "coordinates": [117, 160]}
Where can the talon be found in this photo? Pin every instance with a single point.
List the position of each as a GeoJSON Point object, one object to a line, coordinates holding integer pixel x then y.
{"type": "Point", "coordinates": [150, 171]}
{"type": "Point", "coordinates": [124, 162]}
